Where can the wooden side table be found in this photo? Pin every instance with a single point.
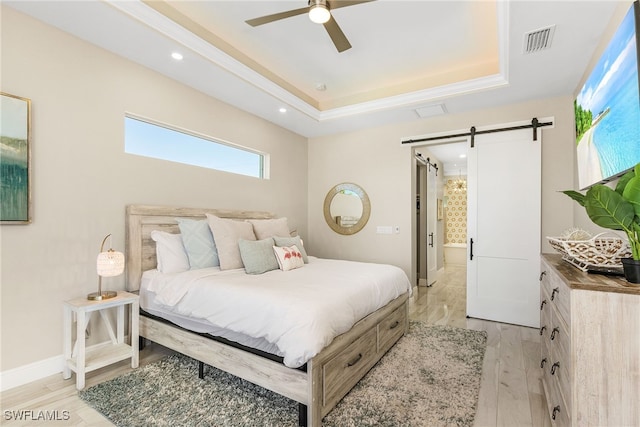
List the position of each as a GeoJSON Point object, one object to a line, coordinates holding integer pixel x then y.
{"type": "Point", "coordinates": [82, 360]}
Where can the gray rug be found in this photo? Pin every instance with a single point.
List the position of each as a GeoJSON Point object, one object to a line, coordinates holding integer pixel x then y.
{"type": "Point", "coordinates": [431, 377]}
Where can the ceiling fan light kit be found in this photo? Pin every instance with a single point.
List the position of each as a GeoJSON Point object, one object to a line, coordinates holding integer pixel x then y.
{"type": "Point", "coordinates": [318, 11]}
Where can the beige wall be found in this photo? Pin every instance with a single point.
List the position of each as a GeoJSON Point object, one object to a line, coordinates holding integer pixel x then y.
{"type": "Point", "coordinates": [79, 96]}
{"type": "Point", "coordinates": [376, 160]}
{"type": "Point", "coordinates": [83, 179]}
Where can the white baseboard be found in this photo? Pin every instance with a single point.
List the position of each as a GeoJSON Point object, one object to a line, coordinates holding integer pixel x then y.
{"type": "Point", "coordinates": [31, 372]}
{"type": "Point", "coordinates": [37, 370]}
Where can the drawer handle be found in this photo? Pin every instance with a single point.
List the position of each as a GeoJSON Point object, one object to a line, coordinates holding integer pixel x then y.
{"type": "Point", "coordinates": [394, 325]}
{"type": "Point", "coordinates": [555, 331]}
{"type": "Point", "coordinates": [555, 409]}
{"type": "Point", "coordinates": [553, 294]}
{"type": "Point", "coordinates": [542, 330]}
{"type": "Point", "coordinates": [554, 367]}
{"type": "Point", "coordinates": [542, 275]}
{"type": "Point", "coordinates": [542, 362]}
{"type": "Point", "coordinates": [544, 301]}
{"type": "Point", "coordinates": [354, 361]}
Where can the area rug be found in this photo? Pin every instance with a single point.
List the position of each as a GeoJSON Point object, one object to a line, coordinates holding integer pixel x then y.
{"type": "Point", "coordinates": [431, 377]}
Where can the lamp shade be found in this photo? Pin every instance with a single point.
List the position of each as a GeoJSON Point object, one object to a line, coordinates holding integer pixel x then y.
{"type": "Point", "coordinates": [319, 13]}
{"type": "Point", "coordinates": [110, 263]}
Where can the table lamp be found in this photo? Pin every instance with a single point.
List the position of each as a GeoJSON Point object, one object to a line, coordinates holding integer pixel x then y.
{"type": "Point", "coordinates": [108, 264]}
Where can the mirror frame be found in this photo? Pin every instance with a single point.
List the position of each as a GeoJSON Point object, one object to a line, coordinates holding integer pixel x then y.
{"type": "Point", "coordinates": [366, 208]}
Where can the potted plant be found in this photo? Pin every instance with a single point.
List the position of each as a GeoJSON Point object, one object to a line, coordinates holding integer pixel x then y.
{"type": "Point", "coordinates": [617, 209]}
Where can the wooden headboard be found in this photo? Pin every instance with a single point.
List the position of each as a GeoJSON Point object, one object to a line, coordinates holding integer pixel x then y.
{"type": "Point", "coordinates": [141, 220]}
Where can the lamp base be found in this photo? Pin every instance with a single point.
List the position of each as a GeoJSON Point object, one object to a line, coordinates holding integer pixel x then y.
{"type": "Point", "coordinates": [99, 296]}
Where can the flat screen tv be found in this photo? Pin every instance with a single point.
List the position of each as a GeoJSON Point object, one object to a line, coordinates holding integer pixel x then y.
{"type": "Point", "coordinates": [607, 108]}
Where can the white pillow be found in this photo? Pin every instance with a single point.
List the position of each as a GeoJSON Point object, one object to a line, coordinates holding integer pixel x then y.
{"type": "Point", "coordinates": [290, 241]}
{"type": "Point", "coordinates": [170, 253]}
{"type": "Point", "coordinates": [288, 257]}
{"type": "Point", "coordinates": [226, 234]}
{"type": "Point", "coordinates": [265, 228]}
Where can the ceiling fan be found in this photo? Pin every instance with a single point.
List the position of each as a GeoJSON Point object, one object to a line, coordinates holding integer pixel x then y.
{"type": "Point", "coordinates": [319, 12]}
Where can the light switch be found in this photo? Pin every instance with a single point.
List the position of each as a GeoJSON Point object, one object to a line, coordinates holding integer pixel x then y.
{"type": "Point", "coordinates": [384, 229]}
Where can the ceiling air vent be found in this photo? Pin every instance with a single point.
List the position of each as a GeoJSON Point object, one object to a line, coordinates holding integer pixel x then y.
{"type": "Point", "coordinates": [430, 110]}
{"type": "Point", "coordinates": [538, 40]}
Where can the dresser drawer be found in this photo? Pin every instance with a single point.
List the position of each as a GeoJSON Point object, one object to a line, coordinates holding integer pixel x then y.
{"type": "Point", "coordinates": [558, 413]}
{"type": "Point", "coordinates": [559, 371]}
{"type": "Point", "coordinates": [560, 296]}
{"type": "Point", "coordinates": [391, 328]}
{"type": "Point", "coordinates": [344, 370]}
{"type": "Point", "coordinates": [545, 314]}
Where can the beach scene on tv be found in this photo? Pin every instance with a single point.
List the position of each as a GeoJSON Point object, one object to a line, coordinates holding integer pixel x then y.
{"type": "Point", "coordinates": [607, 111]}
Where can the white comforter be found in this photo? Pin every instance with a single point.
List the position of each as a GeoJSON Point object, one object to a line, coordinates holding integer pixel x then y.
{"type": "Point", "coordinates": [300, 311]}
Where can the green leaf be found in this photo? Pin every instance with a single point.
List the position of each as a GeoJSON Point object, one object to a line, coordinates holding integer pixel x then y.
{"type": "Point", "coordinates": [632, 194]}
{"type": "Point", "coordinates": [578, 197]}
{"type": "Point", "coordinates": [608, 209]}
{"type": "Point", "coordinates": [624, 179]}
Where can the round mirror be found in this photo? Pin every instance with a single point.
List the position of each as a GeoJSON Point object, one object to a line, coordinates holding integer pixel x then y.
{"type": "Point", "coordinates": [346, 208]}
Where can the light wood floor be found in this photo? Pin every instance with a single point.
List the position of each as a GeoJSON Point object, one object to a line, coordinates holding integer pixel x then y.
{"type": "Point", "coordinates": [510, 395]}
{"type": "Point", "coordinates": [511, 391]}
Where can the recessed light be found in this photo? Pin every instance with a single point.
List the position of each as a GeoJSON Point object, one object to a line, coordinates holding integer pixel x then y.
{"type": "Point", "coordinates": [462, 156]}
{"type": "Point", "coordinates": [282, 110]}
{"type": "Point", "coordinates": [177, 56]}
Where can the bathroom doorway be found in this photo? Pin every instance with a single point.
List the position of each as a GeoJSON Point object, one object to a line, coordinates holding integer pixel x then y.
{"type": "Point", "coordinates": [440, 222]}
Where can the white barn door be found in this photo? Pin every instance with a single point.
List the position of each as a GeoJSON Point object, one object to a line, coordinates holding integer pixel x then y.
{"type": "Point", "coordinates": [503, 227]}
{"type": "Point", "coordinates": [432, 222]}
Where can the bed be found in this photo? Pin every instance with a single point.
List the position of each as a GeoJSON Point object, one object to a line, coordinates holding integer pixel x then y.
{"type": "Point", "coordinates": [317, 382]}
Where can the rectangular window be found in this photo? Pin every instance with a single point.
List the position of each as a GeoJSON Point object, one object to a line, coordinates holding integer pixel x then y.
{"type": "Point", "coordinates": [148, 139]}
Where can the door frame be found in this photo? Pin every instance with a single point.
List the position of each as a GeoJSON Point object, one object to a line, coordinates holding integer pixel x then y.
{"type": "Point", "coordinates": [414, 225]}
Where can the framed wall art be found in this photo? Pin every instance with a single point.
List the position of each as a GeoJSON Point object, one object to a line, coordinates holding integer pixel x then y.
{"type": "Point", "coordinates": [15, 159]}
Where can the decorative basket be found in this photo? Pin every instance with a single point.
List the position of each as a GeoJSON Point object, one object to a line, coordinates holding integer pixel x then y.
{"type": "Point", "coordinates": [598, 251]}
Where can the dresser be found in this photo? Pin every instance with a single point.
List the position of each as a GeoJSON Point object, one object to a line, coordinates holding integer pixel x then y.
{"type": "Point", "coordinates": [590, 346]}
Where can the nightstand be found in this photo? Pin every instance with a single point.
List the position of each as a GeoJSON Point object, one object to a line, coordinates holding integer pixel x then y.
{"type": "Point", "coordinates": [82, 360]}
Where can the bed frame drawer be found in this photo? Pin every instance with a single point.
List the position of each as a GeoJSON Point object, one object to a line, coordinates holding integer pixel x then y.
{"type": "Point", "coordinates": [342, 372]}
{"type": "Point", "coordinates": [391, 329]}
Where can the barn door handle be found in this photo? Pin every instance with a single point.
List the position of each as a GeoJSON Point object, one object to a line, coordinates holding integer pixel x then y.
{"type": "Point", "coordinates": [471, 250]}
{"type": "Point", "coordinates": [431, 239]}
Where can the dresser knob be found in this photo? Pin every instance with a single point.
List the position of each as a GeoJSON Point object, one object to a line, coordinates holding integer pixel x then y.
{"type": "Point", "coordinates": [554, 332]}
{"type": "Point", "coordinates": [542, 362]}
{"type": "Point", "coordinates": [544, 301]}
{"type": "Point", "coordinates": [556, 409]}
{"type": "Point", "coordinates": [553, 294]}
{"type": "Point", "coordinates": [542, 275]}
{"type": "Point", "coordinates": [542, 329]}
{"type": "Point", "coordinates": [554, 367]}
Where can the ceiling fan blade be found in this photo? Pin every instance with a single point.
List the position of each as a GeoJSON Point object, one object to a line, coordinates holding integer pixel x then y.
{"type": "Point", "coordinates": [276, 16]}
{"type": "Point", "coordinates": [337, 4]}
{"type": "Point", "coordinates": [337, 36]}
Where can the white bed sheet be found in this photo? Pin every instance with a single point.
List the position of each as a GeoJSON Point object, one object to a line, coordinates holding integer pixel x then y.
{"type": "Point", "coordinates": [202, 326]}
{"type": "Point", "coordinates": [299, 312]}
